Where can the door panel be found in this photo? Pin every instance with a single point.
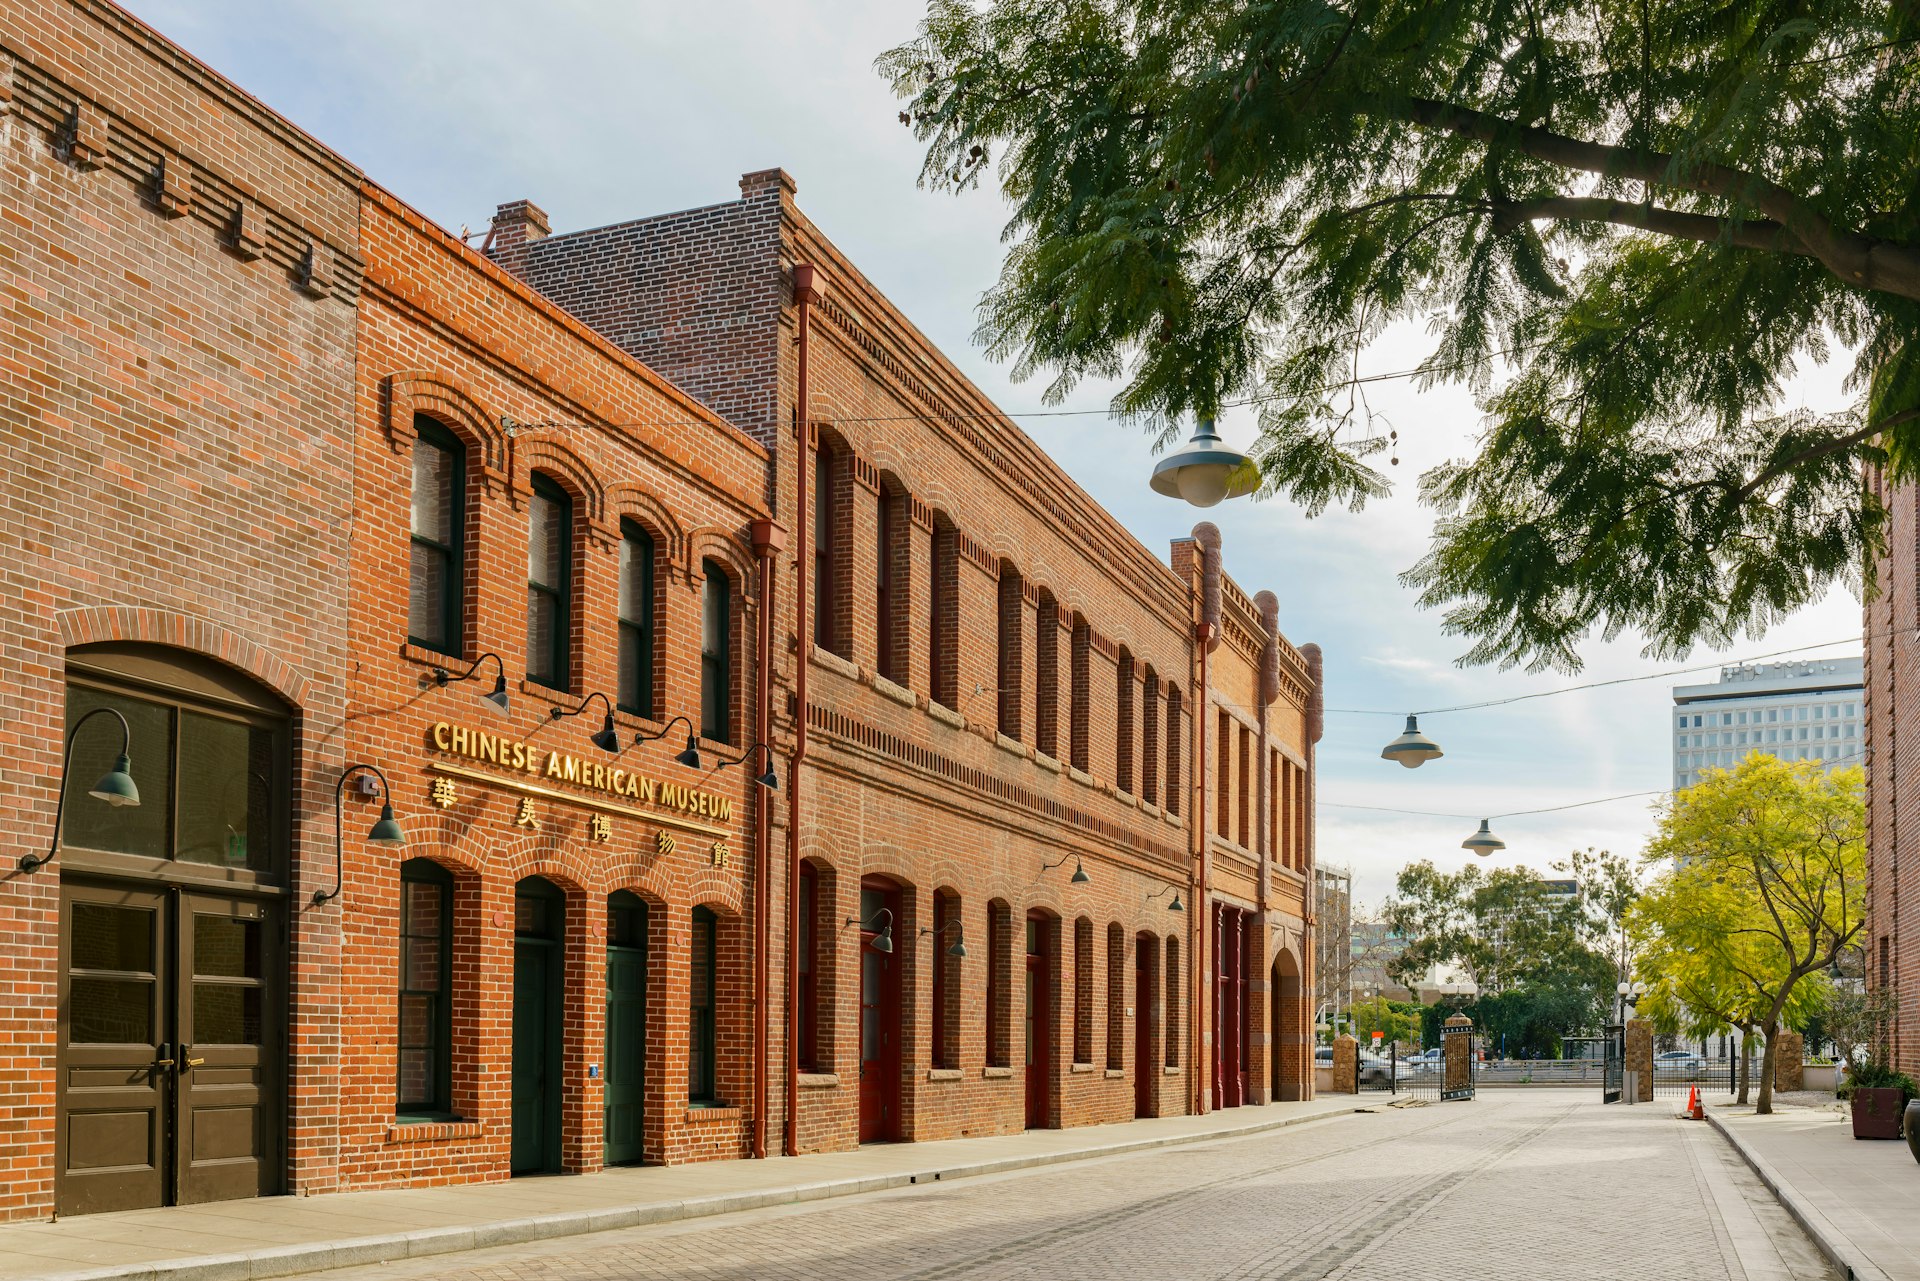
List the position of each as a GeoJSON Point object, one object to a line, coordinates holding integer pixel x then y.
{"type": "Point", "coordinates": [226, 1092]}
{"type": "Point", "coordinates": [879, 1043]}
{"type": "Point", "coordinates": [1142, 1028]}
{"type": "Point", "coordinates": [625, 1093]}
{"type": "Point", "coordinates": [114, 1086]}
{"type": "Point", "coordinates": [1039, 1044]}
{"type": "Point", "coordinates": [531, 1055]}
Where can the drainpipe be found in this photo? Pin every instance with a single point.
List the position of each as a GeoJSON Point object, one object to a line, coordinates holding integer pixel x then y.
{"type": "Point", "coordinates": [804, 296]}
{"type": "Point", "coordinates": [1207, 636]}
{"type": "Point", "coordinates": [1270, 838]}
{"type": "Point", "coordinates": [1316, 724]}
{"type": "Point", "coordinates": [767, 542]}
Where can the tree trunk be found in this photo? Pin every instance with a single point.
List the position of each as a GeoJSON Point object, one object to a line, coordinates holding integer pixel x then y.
{"type": "Point", "coordinates": [1764, 1105]}
{"type": "Point", "coordinates": [1746, 1066]}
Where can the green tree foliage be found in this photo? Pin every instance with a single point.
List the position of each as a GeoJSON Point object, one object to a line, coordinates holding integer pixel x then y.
{"type": "Point", "coordinates": [1766, 889]}
{"type": "Point", "coordinates": [1625, 224]}
{"type": "Point", "coordinates": [1395, 1020]}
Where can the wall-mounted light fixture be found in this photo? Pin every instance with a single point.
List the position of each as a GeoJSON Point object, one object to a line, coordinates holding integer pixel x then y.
{"type": "Point", "coordinates": [690, 754]}
{"type": "Point", "coordinates": [767, 779]}
{"type": "Point", "coordinates": [497, 700]}
{"type": "Point", "coordinates": [958, 948]}
{"type": "Point", "coordinates": [1079, 876]}
{"type": "Point", "coordinates": [883, 938]}
{"type": "Point", "coordinates": [115, 787]}
{"type": "Point", "coordinates": [1176, 905]}
{"type": "Point", "coordinates": [385, 831]}
{"type": "Point", "coordinates": [606, 738]}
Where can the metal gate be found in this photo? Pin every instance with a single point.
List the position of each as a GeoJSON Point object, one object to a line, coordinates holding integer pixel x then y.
{"type": "Point", "coordinates": [1377, 1071]}
{"type": "Point", "coordinates": [1613, 1079]}
{"type": "Point", "coordinates": [1447, 1035]}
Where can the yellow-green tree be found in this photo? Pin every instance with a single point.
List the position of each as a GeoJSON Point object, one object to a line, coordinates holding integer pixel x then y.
{"type": "Point", "coordinates": [1379, 1015]}
{"type": "Point", "coordinates": [1766, 885]}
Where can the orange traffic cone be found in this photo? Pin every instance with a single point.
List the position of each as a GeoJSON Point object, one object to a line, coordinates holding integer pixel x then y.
{"type": "Point", "coordinates": [1694, 1109]}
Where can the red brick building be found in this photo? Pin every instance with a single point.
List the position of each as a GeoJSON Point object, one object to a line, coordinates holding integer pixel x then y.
{"type": "Point", "coordinates": [1892, 705]}
{"type": "Point", "coordinates": [339, 516]}
{"type": "Point", "coordinates": [1002, 691]}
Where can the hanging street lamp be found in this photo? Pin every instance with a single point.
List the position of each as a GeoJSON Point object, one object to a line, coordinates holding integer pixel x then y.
{"type": "Point", "coordinates": [1412, 749]}
{"type": "Point", "coordinates": [1483, 842]}
{"type": "Point", "coordinates": [1204, 470]}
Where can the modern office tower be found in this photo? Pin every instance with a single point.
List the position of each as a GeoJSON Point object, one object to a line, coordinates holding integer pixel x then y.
{"type": "Point", "coordinates": [1798, 711]}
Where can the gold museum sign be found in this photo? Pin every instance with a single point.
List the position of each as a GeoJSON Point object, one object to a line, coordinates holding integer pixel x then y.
{"type": "Point", "coordinates": [529, 762]}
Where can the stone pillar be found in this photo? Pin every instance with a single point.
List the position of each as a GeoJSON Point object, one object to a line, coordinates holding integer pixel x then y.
{"type": "Point", "coordinates": [1640, 1057]}
{"type": "Point", "coordinates": [1789, 1058]}
{"type": "Point", "coordinates": [1346, 1059]}
{"type": "Point", "coordinates": [1457, 1053]}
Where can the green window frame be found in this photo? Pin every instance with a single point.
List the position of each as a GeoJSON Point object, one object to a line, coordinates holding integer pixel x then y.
{"type": "Point", "coordinates": [703, 961]}
{"type": "Point", "coordinates": [637, 551]}
{"type": "Point", "coordinates": [423, 1056]}
{"type": "Point", "coordinates": [716, 654]}
{"type": "Point", "coordinates": [549, 584]}
{"type": "Point", "coordinates": [435, 611]}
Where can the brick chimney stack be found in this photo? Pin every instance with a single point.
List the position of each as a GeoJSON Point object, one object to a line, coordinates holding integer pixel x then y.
{"type": "Point", "coordinates": [516, 224]}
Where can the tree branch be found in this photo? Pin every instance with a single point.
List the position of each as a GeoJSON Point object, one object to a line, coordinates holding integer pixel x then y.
{"type": "Point", "coordinates": [1759, 233]}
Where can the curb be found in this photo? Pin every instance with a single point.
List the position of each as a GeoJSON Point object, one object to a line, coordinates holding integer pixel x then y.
{"type": "Point", "coordinates": [1839, 1249]}
{"type": "Point", "coordinates": [320, 1256]}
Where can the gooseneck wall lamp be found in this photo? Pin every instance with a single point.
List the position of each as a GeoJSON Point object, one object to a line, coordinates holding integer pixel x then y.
{"type": "Point", "coordinates": [385, 832]}
{"type": "Point", "coordinates": [1079, 876]}
{"type": "Point", "coordinates": [958, 949]}
{"type": "Point", "coordinates": [497, 700]}
{"type": "Point", "coordinates": [690, 754]}
{"type": "Point", "coordinates": [606, 738]}
{"type": "Point", "coordinates": [115, 787]}
{"type": "Point", "coordinates": [883, 937]}
{"type": "Point", "coordinates": [767, 778]}
{"type": "Point", "coordinates": [1204, 470]}
{"type": "Point", "coordinates": [1176, 905]}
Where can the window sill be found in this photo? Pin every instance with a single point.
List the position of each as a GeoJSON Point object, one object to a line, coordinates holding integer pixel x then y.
{"type": "Point", "coordinates": [1116, 1074]}
{"type": "Point", "coordinates": [454, 664]}
{"type": "Point", "coordinates": [1081, 1067]}
{"type": "Point", "coordinates": [407, 1130]}
{"type": "Point", "coordinates": [559, 698]}
{"type": "Point", "coordinates": [944, 1074]}
{"type": "Point", "coordinates": [1011, 746]}
{"type": "Point", "coordinates": [1080, 776]}
{"type": "Point", "coordinates": [996, 1073]}
{"type": "Point", "coordinates": [946, 715]}
{"type": "Point", "coordinates": [1047, 763]}
{"type": "Point", "coordinates": [1170, 1071]}
{"type": "Point", "coordinates": [712, 1112]}
{"type": "Point", "coordinates": [819, 1080]}
{"type": "Point", "coordinates": [1170, 818]}
{"type": "Point", "coordinates": [898, 693]}
{"type": "Point", "coordinates": [834, 663]}
{"type": "Point", "coordinates": [1125, 797]}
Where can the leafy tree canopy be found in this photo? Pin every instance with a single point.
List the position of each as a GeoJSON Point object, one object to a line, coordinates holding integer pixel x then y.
{"type": "Point", "coordinates": [1624, 224]}
{"type": "Point", "coordinates": [1504, 927]}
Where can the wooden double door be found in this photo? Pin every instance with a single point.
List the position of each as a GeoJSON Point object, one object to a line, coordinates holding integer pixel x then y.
{"type": "Point", "coordinates": [172, 1046]}
{"type": "Point", "coordinates": [880, 1030]}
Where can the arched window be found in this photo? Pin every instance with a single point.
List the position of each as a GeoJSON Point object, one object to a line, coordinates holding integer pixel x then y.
{"type": "Point", "coordinates": [1123, 735]}
{"type": "Point", "coordinates": [436, 552]}
{"type": "Point", "coordinates": [948, 935]}
{"type": "Point", "coordinates": [1172, 998]}
{"type": "Point", "coordinates": [999, 1010]}
{"type": "Point", "coordinates": [1046, 678]}
{"type": "Point", "coordinates": [1176, 734]}
{"type": "Point", "coordinates": [1012, 656]}
{"type": "Point", "coordinates": [943, 630]}
{"type": "Point", "coordinates": [424, 1058]}
{"type": "Point", "coordinates": [702, 989]}
{"type": "Point", "coordinates": [808, 1031]}
{"type": "Point", "coordinates": [1116, 998]}
{"type": "Point", "coordinates": [549, 583]}
{"type": "Point", "coordinates": [1083, 991]}
{"type": "Point", "coordinates": [636, 619]}
{"type": "Point", "coordinates": [1150, 740]}
{"type": "Point", "coordinates": [1080, 722]}
{"type": "Point", "coordinates": [832, 511]}
{"type": "Point", "coordinates": [891, 593]}
{"type": "Point", "coordinates": [716, 654]}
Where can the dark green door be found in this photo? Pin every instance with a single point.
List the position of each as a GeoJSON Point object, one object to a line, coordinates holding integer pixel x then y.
{"type": "Point", "coordinates": [539, 911]}
{"type": "Point", "coordinates": [626, 1065]}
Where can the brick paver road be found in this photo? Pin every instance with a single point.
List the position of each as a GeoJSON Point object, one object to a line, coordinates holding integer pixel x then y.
{"type": "Point", "coordinates": [1518, 1184]}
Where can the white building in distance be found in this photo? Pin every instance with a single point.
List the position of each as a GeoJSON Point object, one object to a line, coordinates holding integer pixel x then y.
{"type": "Point", "coordinates": [1798, 711]}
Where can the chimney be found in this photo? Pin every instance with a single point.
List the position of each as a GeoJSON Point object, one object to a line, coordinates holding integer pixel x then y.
{"type": "Point", "coordinates": [515, 224]}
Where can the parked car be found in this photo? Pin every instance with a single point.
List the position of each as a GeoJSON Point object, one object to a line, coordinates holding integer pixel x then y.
{"type": "Point", "coordinates": [1323, 1056]}
{"type": "Point", "coordinates": [1375, 1070]}
{"type": "Point", "coordinates": [1679, 1061]}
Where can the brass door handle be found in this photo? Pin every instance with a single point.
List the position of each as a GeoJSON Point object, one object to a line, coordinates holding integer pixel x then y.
{"type": "Point", "coordinates": [163, 1063]}
{"type": "Point", "coordinates": [194, 1063]}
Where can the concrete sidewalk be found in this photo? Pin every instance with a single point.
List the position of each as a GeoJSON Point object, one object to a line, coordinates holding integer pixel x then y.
{"type": "Point", "coordinates": [282, 1236]}
{"type": "Point", "coordinates": [1858, 1199]}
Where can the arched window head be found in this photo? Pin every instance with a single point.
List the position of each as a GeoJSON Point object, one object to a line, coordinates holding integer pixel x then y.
{"type": "Point", "coordinates": [549, 583]}
{"type": "Point", "coordinates": [637, 553]}
{"type": "Point", "coordinates": [436, 553]}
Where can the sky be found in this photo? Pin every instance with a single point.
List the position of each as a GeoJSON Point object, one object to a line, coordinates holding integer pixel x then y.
{"type": "Point", "coordinates": [600, 112]}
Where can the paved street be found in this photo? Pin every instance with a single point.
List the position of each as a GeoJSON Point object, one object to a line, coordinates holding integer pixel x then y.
{"type": "Point", "coordinates": [1520, 1183]}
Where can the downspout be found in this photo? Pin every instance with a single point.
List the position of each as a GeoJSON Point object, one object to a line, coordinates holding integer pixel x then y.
{"type": "Point", "coordinates": [1269, 846]}
{"type": "Point", "coordinates": [767, 542]}
{"type": "Point", "coordinates": [1207, 636]}
{"type": "Point", "coordinates": [1316, 724]}
{"type": "Point", "coordinates": [803, 299]}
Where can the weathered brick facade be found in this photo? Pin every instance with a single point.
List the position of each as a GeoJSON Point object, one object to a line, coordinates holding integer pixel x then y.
{"type": "Point", "coordinates": [1021, 693]}
{"type": "Point", "coordinates": [1892, 706]}
{"type": "Point", "coordinates": [1007, 738]}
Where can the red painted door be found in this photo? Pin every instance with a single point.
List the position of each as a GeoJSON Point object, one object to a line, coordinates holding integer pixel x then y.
{"type": "Point", "coordinates": [1229, 1078]}
{"type": "Point", "coordinates": [879, 1015]}
{"type": "Point", "coordinates": [1039, 1026]}
{"type": "Point", "coordinates": [1142, 1027]}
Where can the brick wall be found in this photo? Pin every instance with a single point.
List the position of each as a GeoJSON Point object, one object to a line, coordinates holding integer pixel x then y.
{"type": "Point", "coordinates": [178, 274]}
{"type": "Point", "coordinates": [1892, 706]}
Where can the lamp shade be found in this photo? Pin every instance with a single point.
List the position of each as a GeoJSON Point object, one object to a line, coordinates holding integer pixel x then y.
{"type": "Point", "coordinates": [1176, 905]}
{"type": "Point", "coordinates": [690, 757]}
{"type": "Point", "coordinates": [607, 738]}
{"type": "Point", "coordinates": [1204, 470]}
{"type": "Point", "coordinates": [1079, 876]}
{"type": "Point", "coordinates": [387, 831]}
{"type": "Point", "coordinates": [1483, 842]}
{"type": "Point", "coordinates": [883, 941]}
{"type": "Point", "coordinates": [1412, 749]}
{"type": "Point", "coordinates": [498, 698]}
{"type": "Point", "coordinates": [116, 786]}
{"type": "Point", "coordinates": [958, 950]}
{"type": "Point", "coordinates": [768, 780]}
